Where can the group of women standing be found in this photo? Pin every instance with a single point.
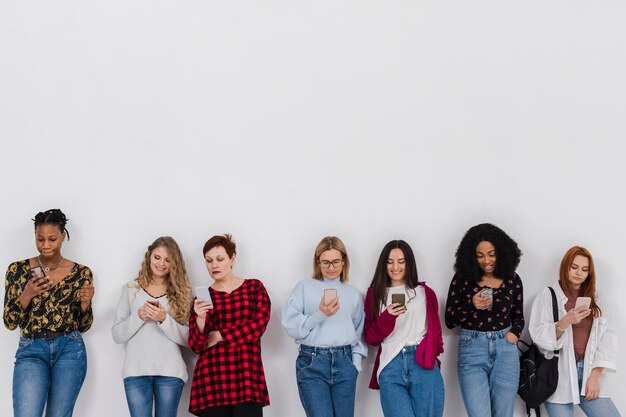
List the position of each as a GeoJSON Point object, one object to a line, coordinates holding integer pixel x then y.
{"type": "Point", "coordinates": [49, 298]}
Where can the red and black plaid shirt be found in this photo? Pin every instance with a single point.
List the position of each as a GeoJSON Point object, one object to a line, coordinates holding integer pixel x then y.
{"type": "Point", "coordinates": [231, 372]}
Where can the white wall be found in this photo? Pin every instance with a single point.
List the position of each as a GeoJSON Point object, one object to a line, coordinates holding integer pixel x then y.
{"type": "Point", "coordinates": [284, 121]}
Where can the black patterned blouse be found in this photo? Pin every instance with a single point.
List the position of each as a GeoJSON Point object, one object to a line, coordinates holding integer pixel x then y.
{"type": "Point", "coordinates": [507, 309]}
{"type": "Point", "coordinates": [57, 309]}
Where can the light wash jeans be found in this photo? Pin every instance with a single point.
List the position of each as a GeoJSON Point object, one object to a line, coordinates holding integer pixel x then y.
{"type": "Point", "coordinates": [408, 390]}
{"type": "Point", "coordinates": [326, 381]}
{"type": "Point", "coordinates": [600, 407]}
{"type": "Point", "coordinates": [488, 370]}
{"type": "Point", "coordinates": [48, 373]}
{"type": "Point", "coordinates": [142, 392]}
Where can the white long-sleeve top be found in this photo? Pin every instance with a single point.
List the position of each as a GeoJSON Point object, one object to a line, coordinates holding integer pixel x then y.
{"type": "Point", "coordinates": [601, 350]}
{"type": "Point", "coordinates": [152, 348]}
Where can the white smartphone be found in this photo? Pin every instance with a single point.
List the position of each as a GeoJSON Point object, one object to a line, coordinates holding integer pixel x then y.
{"type": "Point", "coordinates": [583, 301]}
{"type": "Point", "coordinates": [204, 294]}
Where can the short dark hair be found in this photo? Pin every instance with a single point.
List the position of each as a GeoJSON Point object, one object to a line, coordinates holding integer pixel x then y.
{"type": "Point", "coordinates": [52, 216]}
{"type": "Point", "coordinates": [507, 252]}
{"type": "Point", "coordinates": [226, 241]}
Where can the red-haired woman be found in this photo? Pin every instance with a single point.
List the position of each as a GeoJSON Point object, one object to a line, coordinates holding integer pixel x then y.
{"type": "Point", "coordinates": [225, 332]}
{"type": "Point", "coordinates": [587, 343]}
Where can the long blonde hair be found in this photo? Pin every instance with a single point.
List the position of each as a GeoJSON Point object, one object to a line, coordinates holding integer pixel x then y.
{"type": "Point", "coordinates": [178, 292]}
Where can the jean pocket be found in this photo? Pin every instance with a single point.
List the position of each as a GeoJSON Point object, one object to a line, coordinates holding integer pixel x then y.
{"type": "Point", "coordinates": [304, 361]}
{"type": "Point", "coordinates": [74, 335]}
{"type": "Point", "coordinates": [24, 342]}
{"type": "Point", "coordinates": [465, 340]}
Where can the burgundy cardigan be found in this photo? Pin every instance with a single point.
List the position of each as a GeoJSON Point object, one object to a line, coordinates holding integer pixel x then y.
{"type": "Point", "coordinates": [378, 328]}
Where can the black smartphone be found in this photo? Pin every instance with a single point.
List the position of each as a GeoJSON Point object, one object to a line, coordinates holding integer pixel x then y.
{"type": "Point", "coordinates": [398, 298]}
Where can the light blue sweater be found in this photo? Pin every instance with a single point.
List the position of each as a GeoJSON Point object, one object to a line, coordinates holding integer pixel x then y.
{"type": "Point", "coordinates": [303, 320]}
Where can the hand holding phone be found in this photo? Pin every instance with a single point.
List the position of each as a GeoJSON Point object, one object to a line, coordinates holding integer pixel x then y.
{"type": "Point", "coordinates": [488, 293]}
{"type": "Point", "coordinates": [202, 293]}
{"type": "Point", "coordinates": [154, 303]}
{"type": "Point", "coordinates": [398, 299]}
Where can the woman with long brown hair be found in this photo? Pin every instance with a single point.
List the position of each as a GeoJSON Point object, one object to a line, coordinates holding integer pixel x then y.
{"type": "Point", "coordinates": [151, 318]}
{"type": "Point", "coordinates": [583, 335]}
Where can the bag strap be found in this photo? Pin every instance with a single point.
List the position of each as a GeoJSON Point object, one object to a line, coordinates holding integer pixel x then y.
{"type": "Point", "coordinates": [555, 312]}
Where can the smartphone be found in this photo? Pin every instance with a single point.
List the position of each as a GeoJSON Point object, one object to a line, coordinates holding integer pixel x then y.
{"type": "Point", "coordinates": [204, 294]}
{"type": "Point", "coordinates": [487, 293]}
{"type": "Point", "coordinates": [154, 303]}
{"type": "Point", "coordinates": [583, 301]}
{"type": "Point", "coordinates": [36, 270]}
{"type": "Point", "coordinates": [329, 295]}
{"type": "Point", "coordinates": [398, 298]}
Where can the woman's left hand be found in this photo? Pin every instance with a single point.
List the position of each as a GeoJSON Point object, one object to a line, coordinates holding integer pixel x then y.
{"type": "Point", "coordinates": [214, 338]}
{"type": "Point", "coordinates": [592, 387]}
{"type": "Point", "coordinates": [86, 293]}
{"type": "Point", "coordinates": [156, 313]}
{"type": "Point", "coordinates": [511, 338]}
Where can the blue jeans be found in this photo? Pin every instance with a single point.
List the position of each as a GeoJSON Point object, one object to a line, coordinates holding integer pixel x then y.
{"type": "Point", "coordinates": [48, 373]}
{"type": "Point", "coordinates": [488, 370]}
{"type": "Point", "coordinates": [600, 407]}
{"type": "Point", "coordinates": [408, 390]}
{"type": "Point", "coordinates": [142, 392]}
{"type": "Point", "coordinates": [326, 381]}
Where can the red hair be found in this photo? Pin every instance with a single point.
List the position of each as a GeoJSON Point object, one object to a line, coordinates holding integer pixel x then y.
{"type": "Point", "coordinates": [226, 241]}
{"type": "Point", "coordinates": [588, 288]}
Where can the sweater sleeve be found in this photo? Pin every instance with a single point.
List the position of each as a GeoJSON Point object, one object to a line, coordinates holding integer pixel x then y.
{"type": "Point", "coordinates": [458, 304]}
{"type": "Point", "coordinates": [359, 348]}
{"type": "Point", "coordinates": [127, 321]}
{"type": "Point", "coordinates": [376, 328]}
{"type": "Point", "coordinates": [297, 324]}
{"type": "Point", "coordinates": [256, 325]}
{"type": "Point", "coordinates": [173, 330]}
{"type": "Point", "coordinates": [14, 315]}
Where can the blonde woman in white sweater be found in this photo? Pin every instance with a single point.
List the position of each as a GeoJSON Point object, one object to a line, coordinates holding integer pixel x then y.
{"type": "Point", "coordinates": [151, 318]}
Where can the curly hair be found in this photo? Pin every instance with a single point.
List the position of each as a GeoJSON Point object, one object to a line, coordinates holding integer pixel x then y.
{"type": "Point", "coordinates": [507, 252]}
{"type": "Point", "coordinates": [178, 292]}
{"type": "Point", "coordinates": [52, 216]}
{"type": "Point", "coordinates": [381, 281]}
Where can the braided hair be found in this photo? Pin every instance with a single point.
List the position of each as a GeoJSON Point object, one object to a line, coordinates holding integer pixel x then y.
{"type": "Point", "coordinates": [52, 216]}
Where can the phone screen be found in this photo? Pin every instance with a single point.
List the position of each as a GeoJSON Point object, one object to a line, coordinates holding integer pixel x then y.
{"type": "Point", "coordinates": [398, 298]}
{"type": "Point", "coordinates": [329, 295]}
{"type": "Point", "coordinates": [583, 301]}
{"type": "Point", "coordinates": [36, 270]}
{"type": "Point", "coordinates": [204, 294]}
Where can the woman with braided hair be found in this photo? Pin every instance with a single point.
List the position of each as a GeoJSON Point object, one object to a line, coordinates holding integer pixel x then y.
{"type": "Point", "coordinates": [49, 298]}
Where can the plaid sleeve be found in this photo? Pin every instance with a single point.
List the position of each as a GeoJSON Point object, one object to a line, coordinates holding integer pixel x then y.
{"type": "Point", "coordinates": [253, 328]}
{"type": "Point", "coordinates": [197, 341]}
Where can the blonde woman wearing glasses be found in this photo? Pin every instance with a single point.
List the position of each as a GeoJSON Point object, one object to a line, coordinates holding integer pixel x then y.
{"type": "Point", "coordinates": [325, 316]}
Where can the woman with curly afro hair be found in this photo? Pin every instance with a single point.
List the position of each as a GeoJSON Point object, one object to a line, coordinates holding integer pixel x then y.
{"type": "Point", "coordinates": [486, 299]}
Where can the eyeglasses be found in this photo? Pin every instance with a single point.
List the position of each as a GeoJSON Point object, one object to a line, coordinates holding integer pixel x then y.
{"type": "Point", "coordinates": [327, 264]}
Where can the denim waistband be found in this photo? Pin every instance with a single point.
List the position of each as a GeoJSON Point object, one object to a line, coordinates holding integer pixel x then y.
{"type": "Point", "coordinates": [346, 350]}
{"type": "Point", "coordinates": [46, 334]}
{"type": "Point", "coordinates": [489, 335]}
{"type": "Point", "coordinates": [410, 349]}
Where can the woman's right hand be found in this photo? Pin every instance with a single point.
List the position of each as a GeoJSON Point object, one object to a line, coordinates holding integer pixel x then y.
{"type": "Point", "coordinates": [575, 316]}
{"type": "Point", "coordinates": [480, 302]}
{"type": "Point", "coordinates": [35, 286]}
{"type": "Point", "coordinates": [331, 308]}
{"type": "Point", "coordinates": [396, 309]}
{"type": "Point", "coordinates": [201, 307]}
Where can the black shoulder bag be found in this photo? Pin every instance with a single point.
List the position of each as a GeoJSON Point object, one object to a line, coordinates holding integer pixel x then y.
{"type": "Point", "coordinates": [538, 376]}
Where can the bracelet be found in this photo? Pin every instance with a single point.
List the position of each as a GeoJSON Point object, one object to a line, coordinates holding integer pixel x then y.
{"type": "Point", "coordinates": [558, 328]}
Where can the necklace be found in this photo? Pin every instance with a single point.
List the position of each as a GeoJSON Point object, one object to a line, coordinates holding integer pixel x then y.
{"type": "Point", "coordinates": [49, 268]}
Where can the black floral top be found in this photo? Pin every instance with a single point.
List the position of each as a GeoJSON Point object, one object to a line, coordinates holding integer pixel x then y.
{"type": "Point", "coordinates": [57, 309]}
{"type": "Point", "coordinates": [507, 309]}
